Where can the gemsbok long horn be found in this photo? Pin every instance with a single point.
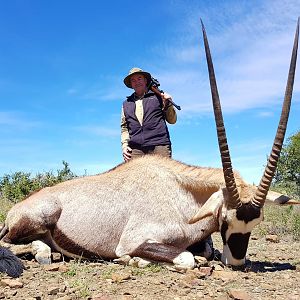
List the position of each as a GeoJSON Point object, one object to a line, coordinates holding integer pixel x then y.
{"type": "Point", "coordinates": [234, 198]}
{"type": "Point", "coordinates": [265, 182]}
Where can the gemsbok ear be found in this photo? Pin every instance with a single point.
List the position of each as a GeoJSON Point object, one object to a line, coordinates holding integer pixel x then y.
{"type": "Point", "coordinates": [210, 207]}
{"type": "Point", "coordinates": [279, 199]}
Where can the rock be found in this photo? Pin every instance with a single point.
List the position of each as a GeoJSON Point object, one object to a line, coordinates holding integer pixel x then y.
{"type": "Point", "coordinates": [12, 283]}
{"type": "Point", "coordinates": [63, 268]}
{"type": "Point", "coordinates": [272, 238]}
{"type": "Point", "coordinates": [117, 277]}
{"type": "Point", "coordinates": [190, 279]}
{"type": "Point", "coordinates": [239, 294]}
{"type": "Point", "coordinates": [139, 262]}
{"type": "Point", "coordinates": [2, 295]}
{"type": "Point", "coordinates": [175, 269]}
{"type": "Point", "coordinates": [126, 297]}
{"type": "Point", "coordinates": [201, 261]}
{"type": "Point", "coordinates": [218, 268]}
{"type": "Point", "coordinates": [101, 297]}
{"type": "Point", "coordinates": [206, 270]}
{"type": "Point", "coordinates": [123, 260]}
{"type": "Point", "coordinates": [53, 290]}
{"type": "Point", "coordinates": [224, 275]}
{"type": "Point", "coordinates": [292, 297]}
{"type": "Point", "coordinates": [52, 267]}
{"type": "Point", "coordinates": [62, 288]}
{"type": "Point", "coordinates": [56, 256]}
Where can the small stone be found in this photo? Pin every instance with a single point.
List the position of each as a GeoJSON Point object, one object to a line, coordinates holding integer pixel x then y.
{"type": "Point", "coordinates": [189, 276]}
{"type": "Point", "coordinates": [101, 297]}
{"type": "Point", "coordinates": [292, 297]}
{"type": "Point", "coordinates": [12, 283]}
{"type": "Point", "coordinates": [239, 294]}
{"type": "Point", "coordinates": [175, 269]}
{"type": "Point", "coordinates": [52, 267]}
{"type": "Point", "coordinates": [63, 268]}
{"type": "Point", "coordinates": [53, 290]}
{"type": "Point", "coordinates": [201, 261]}
{"type": "Point", "coordinates": [123, 260]}
{"type": "Point", "coordinates": [190, 279]}
{"type": "Point", "coordinates": [272, 238]}
{"type": "Point", "coordinates": [218, 268]}
{"type": "Point", "coordinates": [56, 256]}
{"type": "Point", "coordinates": [206, 270]}
{"type": "Point", "coordinates": [224, 275]}
{"type": "Point", "coordinates": [116, 277]}
{"type": "Point", "coordinates": [126, 297]}
{"type": "Point", "coordinates": [62, 288]}
{"type": "Point", "coordinates": [138, 262]}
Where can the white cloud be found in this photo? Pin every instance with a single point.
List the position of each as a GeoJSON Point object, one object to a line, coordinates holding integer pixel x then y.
{"type": "Point", "coordinates": [265, 114]}
{"type": "Point", "coordinates": [251, 49]}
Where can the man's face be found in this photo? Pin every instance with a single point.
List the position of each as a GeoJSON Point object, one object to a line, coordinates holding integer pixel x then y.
{"type": "Point", "coordinates": [138, 83]}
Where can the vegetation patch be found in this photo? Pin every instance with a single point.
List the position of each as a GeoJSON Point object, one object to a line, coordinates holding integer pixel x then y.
{"type": "Point", "coordinates": [19, 185]}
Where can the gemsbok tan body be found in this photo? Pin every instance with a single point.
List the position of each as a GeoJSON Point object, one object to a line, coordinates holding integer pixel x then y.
{"type": "Point", "coordinates": [153, 207]}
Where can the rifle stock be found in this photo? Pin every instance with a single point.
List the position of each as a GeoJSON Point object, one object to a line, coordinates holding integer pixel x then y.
{"type": "Point", "coordinates": [159, 93]}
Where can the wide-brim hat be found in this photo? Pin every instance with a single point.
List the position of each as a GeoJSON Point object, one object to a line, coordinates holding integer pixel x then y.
{"type": "Point", "coordinates": [136, 71]}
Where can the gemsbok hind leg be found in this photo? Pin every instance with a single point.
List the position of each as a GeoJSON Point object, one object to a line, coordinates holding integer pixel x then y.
{"type": "Point", "coordinates": [165, 253]}
{"type": "Point", "coordinates": [203, 248]}
{"type": "Point", "coordinates": [153, 251]}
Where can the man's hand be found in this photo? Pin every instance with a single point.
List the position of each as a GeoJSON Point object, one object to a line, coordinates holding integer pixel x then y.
{"type": "Point", "coordinates": [127, 153]}
{"type": "Point", "coordinates": [165, 98]}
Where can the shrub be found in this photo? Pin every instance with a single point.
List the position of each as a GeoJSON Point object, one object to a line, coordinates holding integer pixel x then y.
{"type": "Point", "coordinates": [19, 185]}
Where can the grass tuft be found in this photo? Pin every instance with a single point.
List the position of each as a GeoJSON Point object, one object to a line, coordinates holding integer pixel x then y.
{"type": "Point", "coordinates": [282, 221]}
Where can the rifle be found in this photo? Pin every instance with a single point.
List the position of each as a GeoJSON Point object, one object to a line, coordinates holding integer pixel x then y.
{"type": "Point", "coordinates": [153, 86]}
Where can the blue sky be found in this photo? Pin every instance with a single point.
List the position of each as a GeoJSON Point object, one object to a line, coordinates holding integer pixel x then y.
{"type": "Point", "coordinates": [62, 65]}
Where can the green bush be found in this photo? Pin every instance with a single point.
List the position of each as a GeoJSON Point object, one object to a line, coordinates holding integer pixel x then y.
{"type": "Point", "coordinates": [281, 220]}
{"type": "Point", "coordinates": [19, 185]}
{"type": "Point", "coordinates": [287, 176]}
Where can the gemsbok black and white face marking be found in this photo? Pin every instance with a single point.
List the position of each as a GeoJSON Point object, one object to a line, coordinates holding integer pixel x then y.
{"type": "Point", "coordinates": [235, 228]}
{"type": "Point", "coordinates": [242, 209]}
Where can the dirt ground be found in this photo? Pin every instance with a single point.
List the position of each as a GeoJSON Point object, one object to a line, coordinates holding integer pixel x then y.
{"type": "Point", "coordinates": [272, 272]}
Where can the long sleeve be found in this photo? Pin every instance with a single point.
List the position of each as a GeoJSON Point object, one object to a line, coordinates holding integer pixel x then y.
{"type": "Point", "coordinates": [171, 115]}
{"type": "Point", "coordinates": [124, 131]}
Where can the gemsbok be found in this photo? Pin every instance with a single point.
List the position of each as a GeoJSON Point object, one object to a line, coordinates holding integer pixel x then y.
{"type": "Point", "coordinates": [152, 207]}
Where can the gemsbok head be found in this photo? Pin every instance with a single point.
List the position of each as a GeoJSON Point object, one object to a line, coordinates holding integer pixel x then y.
{"type": "Point", "coordinates": [243, 207]}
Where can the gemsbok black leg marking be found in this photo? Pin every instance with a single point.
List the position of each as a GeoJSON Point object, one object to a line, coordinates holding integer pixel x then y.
{"type": "Point", "coordinates": [157, 252]}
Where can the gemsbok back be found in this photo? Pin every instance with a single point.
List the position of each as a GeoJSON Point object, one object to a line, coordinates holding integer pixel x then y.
{"type": "Point", "coordinates": [152, 207]}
